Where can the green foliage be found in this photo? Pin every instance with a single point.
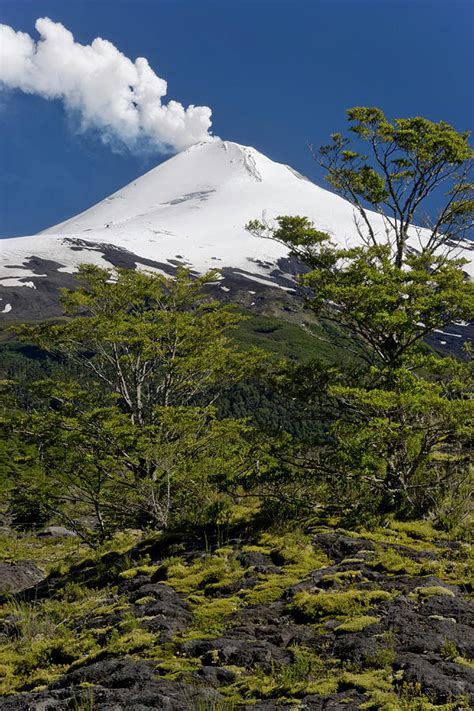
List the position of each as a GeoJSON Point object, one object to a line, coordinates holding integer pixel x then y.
{"type": "Point", "coordinates": [133, 438]}
{"type": "Point", "coordinates": [398, 426]}
{"type": "Point", "coordinates": [395, 166]}
{"type": "Point", "coordinates": [389, 449]}
{"type": "Point", "coordinates": [385, 307]}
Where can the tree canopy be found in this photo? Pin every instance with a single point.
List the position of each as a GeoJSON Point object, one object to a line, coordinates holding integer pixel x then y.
{"type": "Point", "coordinates": [131, 438]}
{"type": "Point", "coordinates": [394, 167]}
{"type": "Point", "coordinates": [400, 429]}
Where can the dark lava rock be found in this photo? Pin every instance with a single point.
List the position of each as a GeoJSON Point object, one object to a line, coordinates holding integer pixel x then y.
{"type": "Point", "coordinates": [452, 608]}
{"type": "Point", "coordinates": [111, 673]}
{"type": "Point", "coordinates": [440, 679]}
{"type": "Point", "coordinates": [239, 652]}
{"type": "Point", "coordinates": [214, 676]}
{"type": "Point", "coordinates": [270, 624]}
{"type": "Point", "coordinates": [15, 577]}
{"type": "Point", "coordinates": [414, 635]}
{"type": "Point", "coordinates": [118, 685]}
{"type": "Point", "coordinates": [56, 532]}
{"type": "Point", "coordinates": [337, 546]}
{"type": "Point", "coordinates": [248, 581]}
{"type": "Point", "coordinates": [167, 613]}
{"type": "Point", "coordinates": [344, 701]}
{"type": "Point", "coordinates": [260, 562]}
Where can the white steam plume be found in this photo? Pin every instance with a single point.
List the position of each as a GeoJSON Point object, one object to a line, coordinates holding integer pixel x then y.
{"type": "Point", "coordinates": [109, 92]}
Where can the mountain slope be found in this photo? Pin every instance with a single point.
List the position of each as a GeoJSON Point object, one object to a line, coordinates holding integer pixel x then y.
{"type": "Point", "coordinates": [192, 210]}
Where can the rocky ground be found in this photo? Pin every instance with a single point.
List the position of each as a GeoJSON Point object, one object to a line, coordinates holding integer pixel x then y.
{"type": "Point", "coordinates": [326, 620]}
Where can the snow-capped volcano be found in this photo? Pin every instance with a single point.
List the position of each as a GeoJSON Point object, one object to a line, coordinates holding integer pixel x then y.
{"type": "Point", "coordinates": [192, 209]}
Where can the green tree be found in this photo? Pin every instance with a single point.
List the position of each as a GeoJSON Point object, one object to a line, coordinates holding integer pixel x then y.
{"type": "Point", "coordinates": [400, 448]}
{"type": "Point", "coordinates": [385, 310]}
{"type": "Point", "coordinates": [134, 439]}
{"type": "Point", "coordinates": [395, 167]}
{"type": "Point", "coordinates": [401, 282]}
{"type": "Point", "coordinates": [397, 422]}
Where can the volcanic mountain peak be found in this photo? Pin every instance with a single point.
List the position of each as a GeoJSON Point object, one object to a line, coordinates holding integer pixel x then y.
{"type": "Point", "coordinates": [192, 209]}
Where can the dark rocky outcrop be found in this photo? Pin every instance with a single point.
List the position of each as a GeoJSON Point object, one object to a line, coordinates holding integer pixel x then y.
{"type": "Point", "coordinates": [16, 577]}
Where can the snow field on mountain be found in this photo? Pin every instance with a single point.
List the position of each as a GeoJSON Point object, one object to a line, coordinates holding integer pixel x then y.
{"type": "Point", "coordinates": [192, 209]}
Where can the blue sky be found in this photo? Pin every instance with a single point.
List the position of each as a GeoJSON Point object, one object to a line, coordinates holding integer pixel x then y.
{"type": "Point", "coordinates": [276, 73]}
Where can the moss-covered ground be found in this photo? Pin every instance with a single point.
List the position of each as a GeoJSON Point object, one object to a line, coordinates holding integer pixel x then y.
{"type": "Point", "coordinates": [287, 617]}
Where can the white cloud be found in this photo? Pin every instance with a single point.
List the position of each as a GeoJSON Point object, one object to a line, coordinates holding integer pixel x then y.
{"type": "Point", "coordinates": [109, 92]}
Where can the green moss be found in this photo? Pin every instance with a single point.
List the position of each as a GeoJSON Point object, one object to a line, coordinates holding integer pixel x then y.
{"type": "Point", "coordinates": [455, 568]}
{"type": "Point", "coordinates": [306, 666]}
{"type": "Point", "coordinates": [308, 673]}
{"type": "Point", "coordinates": [379, 700]}
{"type": "Point", "coordinates": [366, 681]}
{"type": "Point", "coordinates": [384, 655]}
{"type": "Point", "coordinates": [42, 661]}
{"type": "Point", "coordinates": [50, 554]}
{"type": "Point", "coordinates": [177, 667]}
{"type": "Point", "coordinates": [210, 617]}
{"type": "Point", "coordinates": [103, 610]}
{"type": "Point", "coordinates": [322, 687]}
{"type": "Point", "coordinates": [411, 535]}
{"type": "Point", "coordinates": [343, 576]}
{"type": "Point", "coordinates": [391, 561]}
{"type": "Point", "coordinates": [298, 559]}
{"type": "Point", "coordinates": [464, 662]}
{"type": "Point", "coordinates": [357, 623]}
{"type": "Point", "coordinates": [212, 572]}
{"type": "Point", "coordinates": [418, 530]}
{"type": "Point", "coordinates": [411, 698]}
{"type": "Point", "coordinates": [59, 651]}
{"type": "Point", "coordinates": [145, 600]}
{"type": "Point", "coordinates": [266, 550]}
{"type": "Point", "coordinates": [46, 637]}
{"type": "Point", "coordinates": [449, 651]}
{"type": "Point", "coordinates": [139, 570]}
{"type": "Point", "coordinates": [133, 641]}
{"type": "Point", "coordinates": [128, 574]}
{"type": "Point", "coordinates": [269, 590]}
{"type": "Point", "coordinates": [431, 591]}
{"type": "Point", "coordinates": [335, 604]}
{"type": "Point", "coordinates": [147, 569]}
